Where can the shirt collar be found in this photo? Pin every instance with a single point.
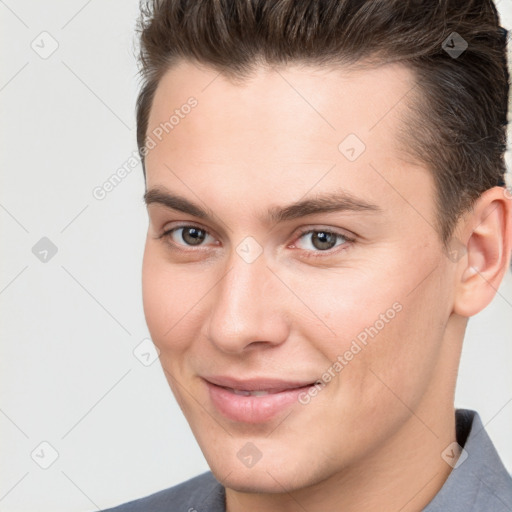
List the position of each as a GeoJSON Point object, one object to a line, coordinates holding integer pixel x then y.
{"type": "Point", "coordinates": [479, 481]}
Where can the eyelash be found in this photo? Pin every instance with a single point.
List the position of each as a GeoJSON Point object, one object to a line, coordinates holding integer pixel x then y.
{"type": "Point", "coordinates": [328, 252]}
{"type": "Point", "coordinates": [310, 254]}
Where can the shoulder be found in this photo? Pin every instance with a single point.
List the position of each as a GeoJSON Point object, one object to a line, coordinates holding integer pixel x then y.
{"type": "Point", "coordinates": [493, 484]}
{"type": "Point", "coordinates": [202, 492]}
{"type": "Point", "coordinates": [479, 481]}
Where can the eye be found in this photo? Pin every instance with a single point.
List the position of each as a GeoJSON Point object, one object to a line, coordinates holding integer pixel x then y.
{"type": "Point", "coordinates": [320, 240]}
{"type": "Point", "coordinates": [315, 241]}
{"type": "Point", "coordinates": [190, 236]}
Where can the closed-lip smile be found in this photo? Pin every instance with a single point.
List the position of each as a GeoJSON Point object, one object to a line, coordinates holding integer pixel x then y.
{"type": "Point", "coordinates": [253, 400]}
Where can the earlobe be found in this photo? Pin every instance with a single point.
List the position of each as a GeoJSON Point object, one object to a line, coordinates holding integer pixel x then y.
{"type": "Point", "coordinates": [488, 232]}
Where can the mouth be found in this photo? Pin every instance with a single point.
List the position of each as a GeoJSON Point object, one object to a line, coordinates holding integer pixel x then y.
{"type": "Point", "coordinates": [255, 400]}
{"type": "Point", "coordinates": [245, 392]}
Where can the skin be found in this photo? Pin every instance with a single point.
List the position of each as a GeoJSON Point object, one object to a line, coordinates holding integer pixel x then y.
{"type": "Point", "coordinates": [372, 438]}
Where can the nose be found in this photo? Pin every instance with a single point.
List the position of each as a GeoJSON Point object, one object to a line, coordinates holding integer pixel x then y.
{"type": "Point", "coordinates": [248, 308]}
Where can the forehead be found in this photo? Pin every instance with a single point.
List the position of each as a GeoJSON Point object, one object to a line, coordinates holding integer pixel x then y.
{"type": "Point", "coordinates": [297, 109]}
{"type": "Point", "coordinates": [338, 99]}
{"type": "Point", "coordinates": [293, 129]}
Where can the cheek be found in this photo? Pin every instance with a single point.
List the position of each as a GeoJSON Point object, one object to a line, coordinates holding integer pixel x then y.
{"type": "Point", "coordinates": [157, 295]}
{"type": "Point", "coordinates": [381, 324]}
{"type": "Point", "coordinates": [168, 300]}
{"type": "Point", "coordinates": [347, 306]}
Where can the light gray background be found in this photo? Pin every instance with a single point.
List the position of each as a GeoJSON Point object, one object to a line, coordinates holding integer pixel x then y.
{"type": "Point", "coordinates": [70, 325]}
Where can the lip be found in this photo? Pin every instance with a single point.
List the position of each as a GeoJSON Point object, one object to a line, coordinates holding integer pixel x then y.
{"type": "Point", "coordinates": [253, 408]}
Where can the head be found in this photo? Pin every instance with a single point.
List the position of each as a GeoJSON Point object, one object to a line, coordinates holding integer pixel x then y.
{"type": "Point", "coordinates": [326, 210]}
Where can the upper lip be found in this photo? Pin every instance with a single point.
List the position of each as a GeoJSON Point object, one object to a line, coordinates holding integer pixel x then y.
{"type": "Point", "coordinates": [257, 383]}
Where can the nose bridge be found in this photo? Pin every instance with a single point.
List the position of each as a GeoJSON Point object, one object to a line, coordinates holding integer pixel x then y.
{"type": "Point", "coordinates": [245, 307]}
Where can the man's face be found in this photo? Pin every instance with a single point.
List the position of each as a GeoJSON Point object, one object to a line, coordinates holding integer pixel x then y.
{"type": "Point", "coordinates": [262, 297]}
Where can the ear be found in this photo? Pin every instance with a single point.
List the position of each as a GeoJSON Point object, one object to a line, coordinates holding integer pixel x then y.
{"type": "Point", "coordinates": [487, 232]}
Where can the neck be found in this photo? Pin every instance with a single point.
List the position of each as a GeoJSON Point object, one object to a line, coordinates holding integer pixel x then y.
{"type": "Point", "coordinates": [404, 474]}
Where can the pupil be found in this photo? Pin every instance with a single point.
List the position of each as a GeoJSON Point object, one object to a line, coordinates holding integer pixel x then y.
{"type": "Point", "coordinates": [324, 240]}
{"type": "Point", "coordinates": [193, 236]}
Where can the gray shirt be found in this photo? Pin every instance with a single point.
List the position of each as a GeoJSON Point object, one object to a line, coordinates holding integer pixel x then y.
{"type": "Point", "coordinates": [479, 483]}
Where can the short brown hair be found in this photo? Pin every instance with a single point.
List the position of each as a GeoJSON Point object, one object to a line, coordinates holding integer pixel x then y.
{"type": "Point", "coordinates": [458, 126]}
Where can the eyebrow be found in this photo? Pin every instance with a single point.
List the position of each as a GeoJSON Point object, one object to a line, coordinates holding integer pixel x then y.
{"type": "Point", "coordinates": [324, 203]}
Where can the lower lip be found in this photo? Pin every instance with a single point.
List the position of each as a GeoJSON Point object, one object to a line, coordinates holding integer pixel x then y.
{"type": "Point", "coordinates": [252, 409]}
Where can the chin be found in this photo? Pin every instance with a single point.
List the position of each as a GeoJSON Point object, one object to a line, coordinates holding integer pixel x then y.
{"type": "Point", "coordinates": [257, 482]}
{"type": "Point", "coordinates": [273, 474]}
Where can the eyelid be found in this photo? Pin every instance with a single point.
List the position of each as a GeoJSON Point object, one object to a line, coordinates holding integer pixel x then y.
{"type": "Point", "coordinates": [167, 233]}
{"type": "Point", "coordinates": [349, 238]}
{"type": "Point", "coordinates": [327, 229]}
